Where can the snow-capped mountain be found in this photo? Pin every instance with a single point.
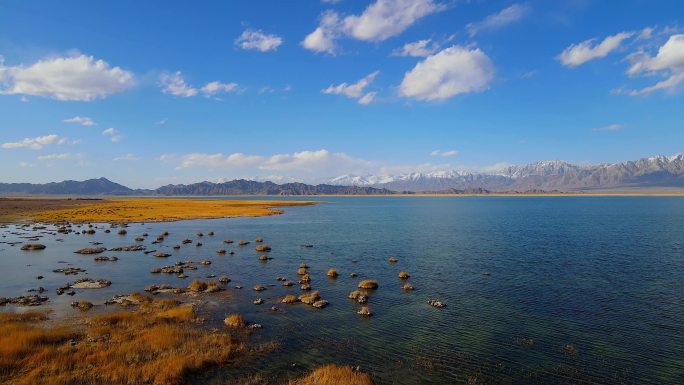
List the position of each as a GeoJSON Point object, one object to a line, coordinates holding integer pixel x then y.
{"type": "Point", "coordinates": [657, 171]}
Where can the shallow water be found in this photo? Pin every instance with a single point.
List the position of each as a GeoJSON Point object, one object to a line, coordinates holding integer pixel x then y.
{"type": "Point", "coordinates": [605, 274]}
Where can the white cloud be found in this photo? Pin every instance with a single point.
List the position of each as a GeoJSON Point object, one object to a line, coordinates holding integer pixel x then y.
{"type": "Point", "coordinates": [127, 157]}
{"type": "Point", "coordinates": [669, 61]}
{"type": "Point", "coordinates": [113, 134]}
{"type": "Point", "coordinates": [611, 127]}
{"type": "Point", "coordinates": [420, 48]}
{"type": "Point", "coordinates": [452, 71]}
{"type": "Point", "coordinates": [166, 158]}
{"type": "Point", "coordinates": [26, 164]}
{"type": "Point", "coordinates": [580, 53]}
{"type": "Point", "coordinates": [33, 143]}
{"type": "Point", "coordinates": [444, 154]}
{"type": "Point", "coordinates": [218, 161]}
{"type": "Point", "coordinates": [257, 40]}
{"type": "Point", "coordinates": [386, 18]}
{"type": "Point", "coordinates": [368, 98]}
{"type": "Point", "coordinates": [62, 156]}
{"type": "Point", "coordinates": [303, 165]}
{"type": "Point", "coordinates": [501, 19]}
{"type": "Point", "coordinates": [355, 90]}
{"type": "Point", "coordinates": [216, 87]}
{"type": "Point", "coordinates": [162, 122]}
{"type": "Point", "coordinates": [646, 33]}
{"type": "Point", "coordinates": [379, 21]}
{"type": "Point", "coordinates": [175, 85]}
{"type": "Point", "coordinates": [83, 121]}
{"type": "Point", "coordinates": [322, 39]}
{"type": "Point", "coordinates": [65, 78]}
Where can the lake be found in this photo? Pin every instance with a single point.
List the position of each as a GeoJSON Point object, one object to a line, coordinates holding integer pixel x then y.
{"type": "Point", "coordinates": [578, 290]}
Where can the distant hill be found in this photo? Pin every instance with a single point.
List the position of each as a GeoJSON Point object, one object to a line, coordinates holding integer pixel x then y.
{"type": "Point", "coordinates": [539, 177]}
{"type": "Point", "coordinates": [249, 187]}
{"type": "Point", "coordinates": [103, 186]}
{"type": "Point", "coordinates": [100, 186]}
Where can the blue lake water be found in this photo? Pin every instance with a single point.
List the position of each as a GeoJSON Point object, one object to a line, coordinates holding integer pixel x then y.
{"type": "Point", "coordinates": [603, 274]}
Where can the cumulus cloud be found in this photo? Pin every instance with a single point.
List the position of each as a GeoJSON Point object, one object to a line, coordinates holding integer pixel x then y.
{"type": "Point", "coordinates": [303, 165]}
{"type": "Point", "coordinates": [83, 121]}
{"type": "Point", "coordinates": [669, 61]}
{"type": "Point", "coordinates": [580, 53]}
{"type": "Point", "coordinates": [113, 134]}
{"type": "Point", "coordinates": [62, 156]}
{"type": "Point", "coordinates": [420, 48]}
{"type": "Point", "coordinates": [610, 128]}
{"type": "Point", "coordinates": [174, 84]}
{"type": "Point", "coordinates": [257, 40]}
{"type": "Point", "coordinates": [368, 98]}
{"type": "Point", "coordinates": [218, 161]}
{"type": "Point", "coordinates": [36, 143]}
{"type": "Point", "coordinates": [322, 39]}
{"type": "Point", "coordinates": [503, 18]}
{"type": "Point", "coordinates": [127, 157]}
{"type": "Point", "coordinates": [80, 78]}
{"type": "Point", "coordinates": [444, 154]}
{"type": "Point", "coordinates": [379, 21]}
{"type": "Point", "coordinates": [354, 90]}
{"type": "Point", "coordinates": [452, 71]}
{"type": "Point", "coordinates": [216, 87]}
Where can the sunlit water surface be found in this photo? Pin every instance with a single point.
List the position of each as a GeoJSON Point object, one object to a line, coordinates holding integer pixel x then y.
{"type": "Point", "coordinates": [605, 274]}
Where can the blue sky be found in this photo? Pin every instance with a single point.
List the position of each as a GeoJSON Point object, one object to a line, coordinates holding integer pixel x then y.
{"type": "Point", "coordinates": [149, 93]}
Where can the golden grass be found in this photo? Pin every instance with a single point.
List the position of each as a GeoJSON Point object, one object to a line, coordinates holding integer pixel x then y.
{"type": "Point", "coordinates": [334, 375]}
{"type": "Point", "coordinates": [289, 299]}
{"type": "Point", "coordinates": [154, 210]}
{"type": "Point", "coordinates": [332, 273]}
{"type": "Point", "coordinates": [235, 320]}
{"type": "Point", "coordinates": [156, 344]}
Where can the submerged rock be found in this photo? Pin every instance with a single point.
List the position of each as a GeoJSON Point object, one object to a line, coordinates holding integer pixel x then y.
{"type": "Point", "coordinates": [263, 248]}
{"type": "Point", "coordinates": [364, 311]}
{"type": "Point", "coordinates": [33, 246]}
{"type": "Point", "coordinates": [368, 284]}
{"type": "Point", "coordinates": [436, 303]}
{"type": "Point", "coordinates": [89, 283]}
{"type": "Point", "coordinates": [69, 271]}
{"type": "Point", "coordinates": [91, 250]}
{"type": "Point", "coordinates": [320, 304]}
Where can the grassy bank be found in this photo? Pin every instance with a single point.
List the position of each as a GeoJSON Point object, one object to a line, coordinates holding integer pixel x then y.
{"type": "Point", "coordinates": [138, 209]}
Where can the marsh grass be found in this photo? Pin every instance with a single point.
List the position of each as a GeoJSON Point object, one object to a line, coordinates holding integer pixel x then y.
{"type": "Point", "coordinates": [149, 210]}
{"type": "Point", "coordinates": [158, 343]}
{"type": "Point", "coordinates": [334, 375]}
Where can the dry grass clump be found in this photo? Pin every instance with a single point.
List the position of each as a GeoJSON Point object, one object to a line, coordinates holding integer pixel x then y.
{"type": "Point", "coordinates": [150, 209]}
{"type": "Point", "coordinates": [368, 284]}
{"type": "Point", "coordinates": [334, 375]}
{"type": "Point", "coordinates": [197, 286]}
{"type": "Point", "coordinates": [332, 273]}
{"type": "Point", "coordinates": [301, 271]}
{"type": "Point", "coordinates": [156, 344]}
{"type": "Point", "coordinates": [310, 298]}
{"type": "Point", "coordinates": [404, 275]}
{"type": "Point", "coordinates": [235, 321]}
{"type": "Point", "coordinates": [289, 299]}
{"type": "Point", "coordinates": [263, 248]}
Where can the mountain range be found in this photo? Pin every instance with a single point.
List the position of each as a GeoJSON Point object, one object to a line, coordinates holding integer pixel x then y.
{"type": "Point", "coordinates": [555, 175]}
